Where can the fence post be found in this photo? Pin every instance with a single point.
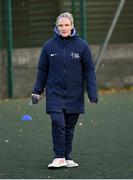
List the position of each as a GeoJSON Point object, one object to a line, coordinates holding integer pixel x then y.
{"type": "Point", "coordinates": [9, 47]}
{"type": "Point", "coordinates": [1, 40]}
{"type": "Point", "coordinates": [83, 24]}
{"type": "Point", "coordinates": [74, 8]}
{"type": "Point", "coordinates": [109, 34]}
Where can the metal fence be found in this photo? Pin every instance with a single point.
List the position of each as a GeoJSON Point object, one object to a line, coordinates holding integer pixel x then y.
{"type": "Point", "coordinates": [28, 23]}
{"type": "Point", "coordinates": [33, 20]}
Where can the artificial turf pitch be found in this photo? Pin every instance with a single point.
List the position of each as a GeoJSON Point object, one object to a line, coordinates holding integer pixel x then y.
{"type": "Point", "coordinates": [103, 141]}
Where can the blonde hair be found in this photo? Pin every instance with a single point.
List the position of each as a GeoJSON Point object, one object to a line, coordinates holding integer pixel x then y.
{"type": "Point", "coordinates": [67, 15]}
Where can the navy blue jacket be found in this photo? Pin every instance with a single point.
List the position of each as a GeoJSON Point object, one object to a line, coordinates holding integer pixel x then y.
{"type": "Point", "coordinates": [64, 67]}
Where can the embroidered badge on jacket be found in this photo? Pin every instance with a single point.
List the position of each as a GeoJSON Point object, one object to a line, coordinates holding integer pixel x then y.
{"type": "Point", "coordinates": [75, 55]}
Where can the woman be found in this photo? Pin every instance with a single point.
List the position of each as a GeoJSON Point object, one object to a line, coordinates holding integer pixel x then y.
{"type": "Point", "coordinates": [64, 67]}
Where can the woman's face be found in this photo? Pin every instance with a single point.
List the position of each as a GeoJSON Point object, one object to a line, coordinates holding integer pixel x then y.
{"type": "Point", "coordinates": [64, 26]}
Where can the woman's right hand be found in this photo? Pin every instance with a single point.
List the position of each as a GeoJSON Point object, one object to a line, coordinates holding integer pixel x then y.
{"type": "Point", "coordinates": [35, 98]}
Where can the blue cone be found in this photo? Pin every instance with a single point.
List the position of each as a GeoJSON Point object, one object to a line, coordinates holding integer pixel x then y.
{"type": "Point", "coordinates": [26, 117]}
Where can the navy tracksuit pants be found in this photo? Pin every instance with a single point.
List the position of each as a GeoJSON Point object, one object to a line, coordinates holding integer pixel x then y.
{"type": "Point", "coordinates": [62, 133]}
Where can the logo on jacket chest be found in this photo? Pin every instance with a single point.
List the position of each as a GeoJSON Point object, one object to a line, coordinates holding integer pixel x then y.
{"type": "Point", "coordinates": [53, 54]}
{"type": "Point", "coordinates": [74, 55]}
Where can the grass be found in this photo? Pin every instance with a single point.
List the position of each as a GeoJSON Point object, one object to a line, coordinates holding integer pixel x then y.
{"type": "Point", "coordinates": [102, 144]}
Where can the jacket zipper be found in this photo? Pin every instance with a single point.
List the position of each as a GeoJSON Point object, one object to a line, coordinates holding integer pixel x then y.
{"type": "Point", "coordinates": [64, 89]}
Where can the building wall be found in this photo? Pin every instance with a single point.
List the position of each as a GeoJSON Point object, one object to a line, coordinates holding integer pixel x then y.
{"type": "Point", "coordinates": [115, 70]}
{"type": "Point", "coordinates": [116, 67]}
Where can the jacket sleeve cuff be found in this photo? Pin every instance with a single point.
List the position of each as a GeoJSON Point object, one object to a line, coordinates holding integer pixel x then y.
{"type": "Point", "coordinates": [36, 92]}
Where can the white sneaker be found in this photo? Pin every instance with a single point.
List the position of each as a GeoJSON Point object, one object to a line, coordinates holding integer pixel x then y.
{"type": "Point", "coordinates": [71, 163]}
{"type": "Point", "coordinates": [58, 162]}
